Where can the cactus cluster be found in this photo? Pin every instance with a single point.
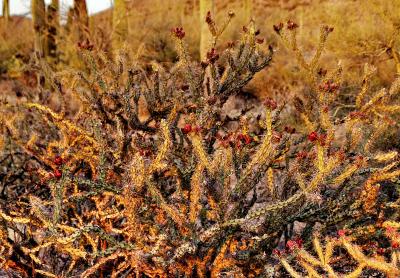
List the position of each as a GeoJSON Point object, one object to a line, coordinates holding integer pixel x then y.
{"type": "Point", "coordinates": [184, 190]}
{"type": "Point", "coordinates": [120, 167]}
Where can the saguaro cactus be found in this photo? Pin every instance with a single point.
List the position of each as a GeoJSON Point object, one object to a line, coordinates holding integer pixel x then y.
{"type": "Point", "coordinates": [70, 19]}
{"type": "Point", "coordinates": [205, 35]}
{"type": "Point", "coordinates": [39, 24]}
{"type": "Point", "coordinates": [120, 23]}
{"type": "Point", "coordinates": [6, 10]}
{"type": "Point", "coordinates": [53, 25]}
{"type": "Point", "coordinates": [81, 19]}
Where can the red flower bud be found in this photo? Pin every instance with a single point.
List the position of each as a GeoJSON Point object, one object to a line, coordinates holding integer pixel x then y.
{"type": "Point", "coordinates": [57, 174]}
{"type": "Point", "coordinates": [299, 242]}
{"type": "Point", "coordinates": [212, 56]}
{"type": "Point", "coordinates": [341, 233]}
{"type": "Point", "coordinates": [278, 27]}
{"type": "Point", "coordinates": [322, 72]}
{"type": "Point", "coordinates": [292, 245]}
{"type": "Point", "coordinates": [292, 25]}
{"type": "Point", "coordinates": [209, 19]}
{"type": "Point", "coordinates": [380, 251]}
{"type": "Point", "coordinates": [231, 44]}
{"type": "Point", "coordinates": [86, 45]}
{"type": "Point", "coordinates": [270, 103]}
{"type": "Point", "coordinates": [301, 155]}
{"type": "Point", "coordinates": [187, 128]}
{"type": "Point", "coordinates": [145, 152]}
{"type": "Point", "coordinates": [178, 32]}
{"type": "Point", "coordinates": [245, 138]}
{"type": "Point", "coordinates": [58, 160]}
{"type": "Point", "coordinates": [225, 140]}
{"type": "Point", "coordinates": [259, 41]}
{"type": "Point", "coordinates": [329, 86]}
{"type": "Point", "coordinates": [322, 139]}
{"type": "Point", "coordinates": [238, 145]}
{"type": "Point", "coordinates": [277, 252]}
{"type": "Point", "coordinates": [328, 29]}
{"type": "Point", "coordinates": [313, 136]}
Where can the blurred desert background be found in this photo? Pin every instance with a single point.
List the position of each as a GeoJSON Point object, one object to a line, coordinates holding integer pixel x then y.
{"type": "Point", "coordinates": [365, 32]}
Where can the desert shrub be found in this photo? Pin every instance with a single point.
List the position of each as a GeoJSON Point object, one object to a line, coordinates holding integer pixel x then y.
{"type": "Point", "coordinates": [367, 34]}
{"type": "Point", "coordinates": [148, 179]}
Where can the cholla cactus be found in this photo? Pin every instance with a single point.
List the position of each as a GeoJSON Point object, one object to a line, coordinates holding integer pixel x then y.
{"type": "Point", "coordinates": [182, 191]}
{"type": "Point", "coordinates": [325, 259]}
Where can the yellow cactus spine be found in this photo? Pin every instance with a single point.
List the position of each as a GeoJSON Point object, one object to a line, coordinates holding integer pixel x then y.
{"type": "Point", "coordinates": [120, 23]}
{"type": "Point", "coordinates": [39, 24]}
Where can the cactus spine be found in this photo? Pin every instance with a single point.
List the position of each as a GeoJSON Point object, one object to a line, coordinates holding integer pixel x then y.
{"type": "Point", "coordinates": [205, 35]}
{"type": "Point", "coordinates": [39, 24]}
{"type": "Point", "coordinates": [120, 23]}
